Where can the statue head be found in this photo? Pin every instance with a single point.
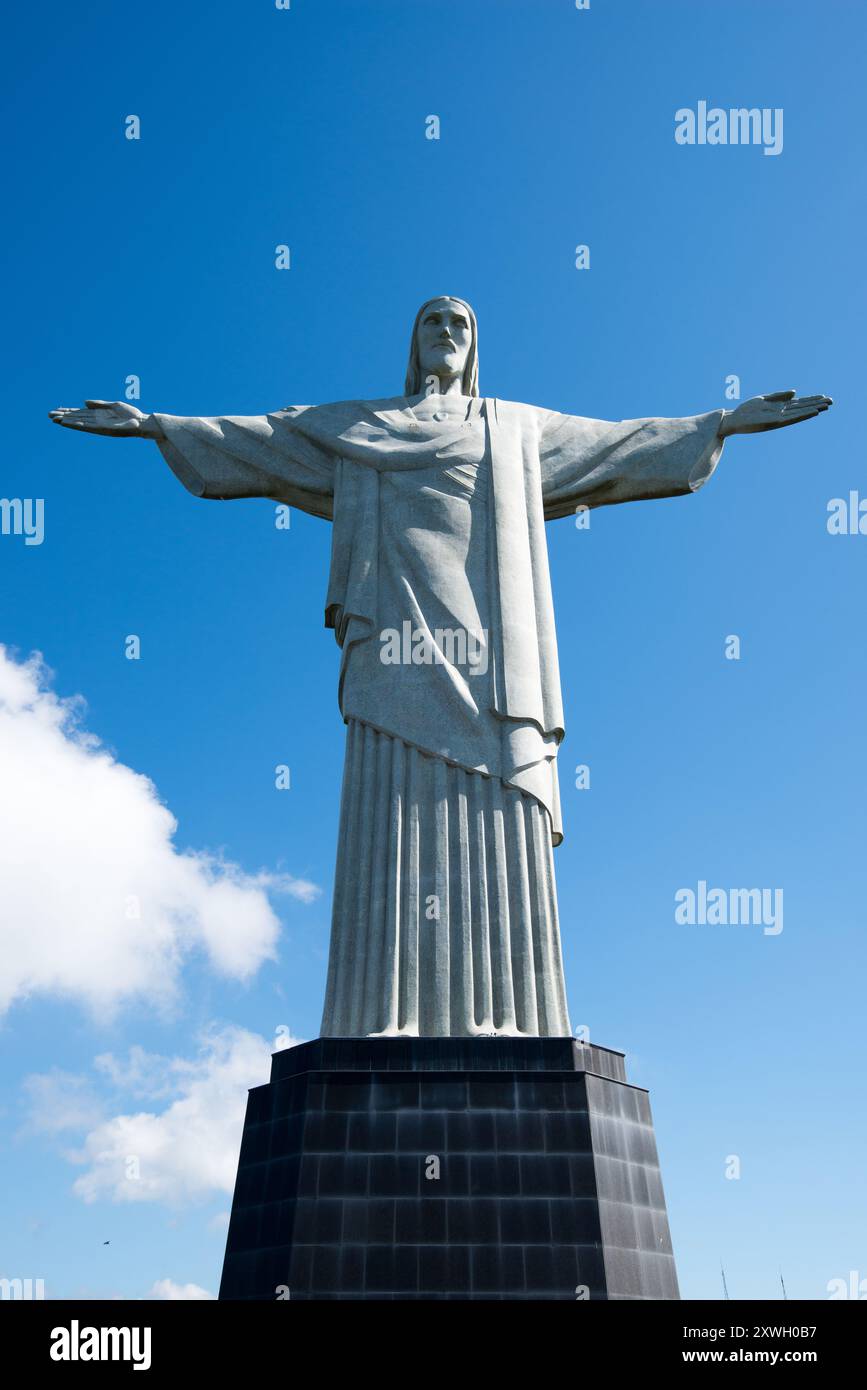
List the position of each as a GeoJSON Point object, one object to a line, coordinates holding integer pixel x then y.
{"type": "Point", "coordinates": [444, 343]}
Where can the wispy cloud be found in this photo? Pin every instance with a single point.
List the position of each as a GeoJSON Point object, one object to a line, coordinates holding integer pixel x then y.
{"type": "Point", "coordinates": [59, 1102]}
{"type": "Point", "coordinates": [168, 1290]}
{"type": "Point", "coordinates": [184, 1152]}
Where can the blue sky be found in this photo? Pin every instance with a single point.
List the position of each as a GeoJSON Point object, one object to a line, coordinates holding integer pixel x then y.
{"type": "Point", "coordinates": [156, 258]}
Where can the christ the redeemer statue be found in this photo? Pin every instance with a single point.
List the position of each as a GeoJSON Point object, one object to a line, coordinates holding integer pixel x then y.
{"type": "Point", "coordinates": [445, 910]}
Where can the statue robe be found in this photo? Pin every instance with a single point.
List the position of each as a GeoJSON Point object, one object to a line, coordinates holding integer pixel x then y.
{"type": "Point", "coordinates": [445, 912]}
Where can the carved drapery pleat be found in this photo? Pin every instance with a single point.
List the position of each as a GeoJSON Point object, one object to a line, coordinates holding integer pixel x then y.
{"type": "Point", "coordinates": [445, 908]}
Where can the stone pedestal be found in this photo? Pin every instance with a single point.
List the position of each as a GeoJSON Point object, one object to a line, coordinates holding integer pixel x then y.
{"type": "Point", "coordinates": [461, 1168]}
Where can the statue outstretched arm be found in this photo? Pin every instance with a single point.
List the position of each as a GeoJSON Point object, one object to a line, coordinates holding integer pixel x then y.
{"type": "Point", "coordinates": [284, 456]}
{"type": "Point", "coordinates": [596, 463]}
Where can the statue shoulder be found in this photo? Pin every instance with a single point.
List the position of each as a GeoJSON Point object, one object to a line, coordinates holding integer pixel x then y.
{"type": "Point", "coordinates": [518, 412]}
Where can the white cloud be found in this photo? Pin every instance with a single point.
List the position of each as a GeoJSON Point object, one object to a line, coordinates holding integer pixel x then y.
{"type": "Point", "coordinates": [167, 1289]}
{"type": "Point", "coordinates": [98, 903]}
{"type": "Point", "coordinates": [187, 1152]}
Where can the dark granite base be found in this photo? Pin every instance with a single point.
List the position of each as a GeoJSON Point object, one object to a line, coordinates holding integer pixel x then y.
{"type": "Point", "coordinates": [462, 1168]}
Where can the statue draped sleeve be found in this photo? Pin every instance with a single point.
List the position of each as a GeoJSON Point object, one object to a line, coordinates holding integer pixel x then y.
{"type": "Point", "coordinates": [286, 456]}
{"type": "Point", "coordinates": [595, 463]}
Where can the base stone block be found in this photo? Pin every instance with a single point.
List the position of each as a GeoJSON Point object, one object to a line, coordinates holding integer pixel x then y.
{"type": "Point", "coordinates": [458, 1168]}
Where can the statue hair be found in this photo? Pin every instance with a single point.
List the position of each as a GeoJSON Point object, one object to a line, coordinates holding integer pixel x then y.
{"type": "Point", "coordinates": [414, 386]}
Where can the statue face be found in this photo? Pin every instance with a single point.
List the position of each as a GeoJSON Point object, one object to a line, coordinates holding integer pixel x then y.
{"type": "Point", "coordinates": [444, 339]}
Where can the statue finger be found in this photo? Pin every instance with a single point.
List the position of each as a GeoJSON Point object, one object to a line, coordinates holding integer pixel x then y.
{"type": "Point", "coordinates": [779, 396]}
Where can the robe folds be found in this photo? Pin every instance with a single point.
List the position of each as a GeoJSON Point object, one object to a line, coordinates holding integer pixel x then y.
{"type": "Point", "coordinates": [439, 529]}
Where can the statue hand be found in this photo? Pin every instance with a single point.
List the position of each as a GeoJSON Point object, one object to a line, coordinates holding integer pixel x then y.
{"type": "Point", "coordinates": [771, 412]}
{"type": "Point", "coordinates": [106, 417]}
